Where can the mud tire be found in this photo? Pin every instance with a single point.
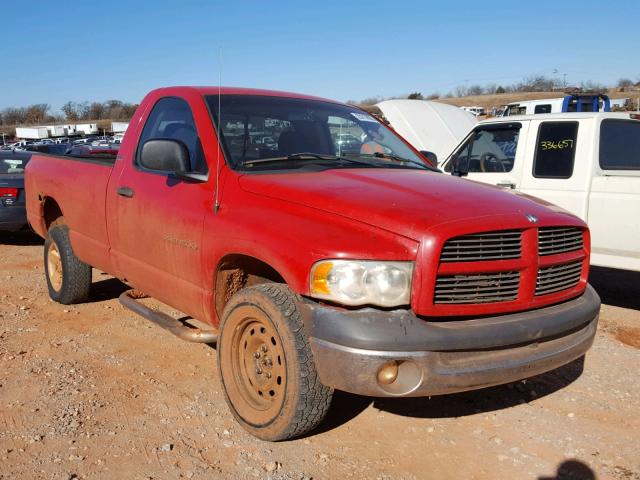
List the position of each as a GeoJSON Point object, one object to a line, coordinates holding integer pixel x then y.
{"type": "Point", "coordinates": [291, 401]}
{"type": "Point", "coordinates": [68, 278]}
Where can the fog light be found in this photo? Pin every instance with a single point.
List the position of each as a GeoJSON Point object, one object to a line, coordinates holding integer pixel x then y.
{"type": "Point", "coordinates": [388, 373]}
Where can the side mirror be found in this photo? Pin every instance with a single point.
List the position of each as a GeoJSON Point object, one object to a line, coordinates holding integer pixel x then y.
{"type": "Point", "coordinates": [458, 172]}
{"type": "Point", "coordinates": [431, 157]}
{"type": "Point", "coordinates": [165, 155]}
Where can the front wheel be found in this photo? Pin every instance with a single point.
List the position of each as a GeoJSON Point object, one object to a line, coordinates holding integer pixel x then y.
{"type": "Point", "coordinates": [269, 378]}
{"type": "Point", "coordinates": [68, 278]}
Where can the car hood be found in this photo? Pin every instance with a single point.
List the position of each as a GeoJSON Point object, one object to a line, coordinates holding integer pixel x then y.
{"type": "Point", "coordinates": [403, 201]}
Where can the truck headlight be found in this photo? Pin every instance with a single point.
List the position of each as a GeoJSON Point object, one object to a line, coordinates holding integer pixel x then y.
{"type": "Point", "coordinates": [362, 282]}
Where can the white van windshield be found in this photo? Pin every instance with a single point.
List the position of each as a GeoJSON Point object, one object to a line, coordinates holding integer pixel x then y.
{"type": "Point", "coordinates": [491, 148]}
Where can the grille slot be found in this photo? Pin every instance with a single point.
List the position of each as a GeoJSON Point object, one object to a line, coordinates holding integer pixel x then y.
{"type": "Point", "coordinates": [558, 277]}
{"type": "Point", "coordinates": [477, 288]}
{"type": "Point", "coordinates": [483, 246]}
{"type": "Point", "coordinates": [552, 240]}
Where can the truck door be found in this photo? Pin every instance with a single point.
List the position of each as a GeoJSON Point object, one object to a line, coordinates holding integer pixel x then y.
{"type": "Point", "coordinates": [614, 201]}
{"type": "Point", "coordinates": [491, 154]}
{"type": "Point", "coordinates": [557, 165]}
{"type": "Point", "coordinates": [157, 231]}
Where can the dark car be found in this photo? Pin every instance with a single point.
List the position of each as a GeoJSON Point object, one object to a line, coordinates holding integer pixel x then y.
{"type": "Point", "coordinates": [53, 148]}
{"type": "Point", "coordinates": [13, 216]}
{"type": "Point", "coordinates": [93, 150]}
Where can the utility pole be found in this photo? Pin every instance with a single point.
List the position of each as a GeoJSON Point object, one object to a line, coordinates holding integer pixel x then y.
{"type": "Point", "coordinates": [564, 80]}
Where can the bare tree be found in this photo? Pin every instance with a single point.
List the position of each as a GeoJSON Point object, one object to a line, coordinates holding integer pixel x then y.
{"type": "Point", "coordinates": [475, 90]}
{"type": "Point", "coordinates": [36, 113]}
{"type": "Point", "coordinates": [625, 82]}
{"type": "Point", "coordinates": [96, 111]}
{"type": "Point", "coordinates": [70, 111]}
{"type": "Point", "coordinates": [371, 100]}
{"type": "Point", "coordinates": [535, 83]}
{"type": "Point", "coordinates": [590, 85]}
{"type": "Point", "coordinates": [460, 91]}
{"type": "Point", "coordinates": [490, 88]}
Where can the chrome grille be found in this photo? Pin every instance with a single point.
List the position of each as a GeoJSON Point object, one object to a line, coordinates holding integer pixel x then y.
{"type": "Point", "coordinates": [483, 246]}
{"type": "Point", "coordinates": [552, 240]}
{"type": "Point", "coordinates": [477, 288]}
{"type": "Point", "coordinates": [558, 277]}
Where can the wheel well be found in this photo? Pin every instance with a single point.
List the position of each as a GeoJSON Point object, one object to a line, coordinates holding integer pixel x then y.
{"type": "Point", "coordinates": [51, 212]}
{"type": "Point", "coordinates": [235, 272]}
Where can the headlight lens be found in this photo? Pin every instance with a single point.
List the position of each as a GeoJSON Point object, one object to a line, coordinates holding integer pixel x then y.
{"type": "Point", "coordinates": [387, 284]}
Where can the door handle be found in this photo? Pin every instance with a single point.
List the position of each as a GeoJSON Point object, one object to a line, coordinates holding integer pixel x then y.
{"type": "Point", "coordinates": [125, 192]}
{"type": "Point", "coordinates": [506, 185]}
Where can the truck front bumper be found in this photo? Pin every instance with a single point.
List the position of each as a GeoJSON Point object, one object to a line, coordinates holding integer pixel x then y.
{"type": "Point", "coordinates": [359, 351]}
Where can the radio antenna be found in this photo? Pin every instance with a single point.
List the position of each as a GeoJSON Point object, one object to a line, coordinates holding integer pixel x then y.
{"type": "Point", "coordinates": [217, 201]}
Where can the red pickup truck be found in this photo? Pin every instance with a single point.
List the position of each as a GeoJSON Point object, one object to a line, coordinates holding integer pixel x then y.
{"type": "Point", "coordinates": [317, 263]}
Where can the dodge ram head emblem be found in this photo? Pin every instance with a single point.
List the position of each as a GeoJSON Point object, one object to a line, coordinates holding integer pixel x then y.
{"type": "Point", "coordinates": [532, 218]}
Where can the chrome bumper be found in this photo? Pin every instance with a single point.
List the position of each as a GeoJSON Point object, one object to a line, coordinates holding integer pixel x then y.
{"type": "Point", "coordinates": [490, 351]}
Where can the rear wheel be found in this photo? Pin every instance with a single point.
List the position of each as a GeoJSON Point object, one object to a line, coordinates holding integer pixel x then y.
{"type": "Point", "coordinates": [68, 278]}
{"type": "Point", "coordinates": [266, 364]}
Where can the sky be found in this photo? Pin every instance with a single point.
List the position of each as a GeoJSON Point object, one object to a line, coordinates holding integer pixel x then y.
{"type": "Point", "coordinates": [59, 51]}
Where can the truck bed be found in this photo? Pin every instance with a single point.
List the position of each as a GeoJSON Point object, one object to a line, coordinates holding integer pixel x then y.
{"type": "Point", "coordinates": [79, 185]}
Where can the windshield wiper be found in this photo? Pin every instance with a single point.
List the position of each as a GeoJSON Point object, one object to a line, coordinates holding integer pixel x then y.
{"type": "Point", "coordinates": [304, 156]}
{"type": "Point", "coordinates": [398, 159]}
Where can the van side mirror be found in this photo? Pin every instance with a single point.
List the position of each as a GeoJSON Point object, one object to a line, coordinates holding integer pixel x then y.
{"type": "Point", "coordinates": [431, 157]}
{"type": "Point", "coordinates": [165, 155]}
{"type": "Point", "coordinates": [459, 173]}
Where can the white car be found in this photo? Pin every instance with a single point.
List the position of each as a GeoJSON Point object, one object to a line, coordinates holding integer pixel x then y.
{"type": "Point", "coordinates": [477, 111]}
{"type": "Point", "coordinates": [586, 163]}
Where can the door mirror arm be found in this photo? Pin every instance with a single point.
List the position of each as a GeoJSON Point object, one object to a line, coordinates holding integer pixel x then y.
{"type": "Point", "coordinates": [430, 157]}
{"type": "Point", "coordinates": [192, 177]}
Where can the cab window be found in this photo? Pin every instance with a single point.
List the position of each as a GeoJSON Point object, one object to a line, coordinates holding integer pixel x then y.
{"type": "Point", "coordinates": [620, 145]}
{"type": "Point", "coordinates": [515, 110]}
{"type": "Point", "coordinates": [544, 108]}
{"type": "Point", "coordinates": [555, 150]}
{"type": "Point", "coordinates": [171, 119]}
{"type": "Point", "coordinates": [490, 149]}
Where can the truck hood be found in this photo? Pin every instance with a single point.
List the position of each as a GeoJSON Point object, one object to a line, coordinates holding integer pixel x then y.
{"type": "Point", "coordinates": [402, 201]}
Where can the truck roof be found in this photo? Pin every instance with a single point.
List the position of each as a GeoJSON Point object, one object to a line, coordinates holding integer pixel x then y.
{"type": "Point", "coordinates": [559, 116]}
{"type": "Point", "coordinates": [213, 90]}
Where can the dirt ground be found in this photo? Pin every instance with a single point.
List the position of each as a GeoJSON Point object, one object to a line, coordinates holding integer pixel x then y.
{"type": "Point", "coordinates": [92, 391]}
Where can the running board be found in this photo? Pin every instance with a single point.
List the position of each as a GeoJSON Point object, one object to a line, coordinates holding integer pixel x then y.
{"type": "Point", "coordinates": [180, 330]}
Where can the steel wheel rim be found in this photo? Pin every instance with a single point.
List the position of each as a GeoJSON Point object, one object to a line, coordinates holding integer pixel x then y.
{"type": "Point", "coordinates": [54, 266]}
{"type": "Point", "coordinates": [258, 367]}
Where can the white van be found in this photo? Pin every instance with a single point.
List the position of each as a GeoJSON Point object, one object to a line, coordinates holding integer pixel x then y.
{"type": "Point", "coordinates": [586, 163]}
{"type": "Point", "coordinates": [589, 102]}
{"type": "Point", "coordinates": [475, 110]}
{"type": "Point", "coordinates": [531, 107]}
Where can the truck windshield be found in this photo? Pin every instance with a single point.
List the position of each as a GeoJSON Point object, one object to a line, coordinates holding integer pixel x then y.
{"type": "Point", "coordinates": [289, 133]}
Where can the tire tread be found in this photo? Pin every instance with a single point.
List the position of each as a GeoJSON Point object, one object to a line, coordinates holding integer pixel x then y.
{"type": "Point", "coordinates": [314, 398]}
{"type": "Point", "coordinates": [76, 282]}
